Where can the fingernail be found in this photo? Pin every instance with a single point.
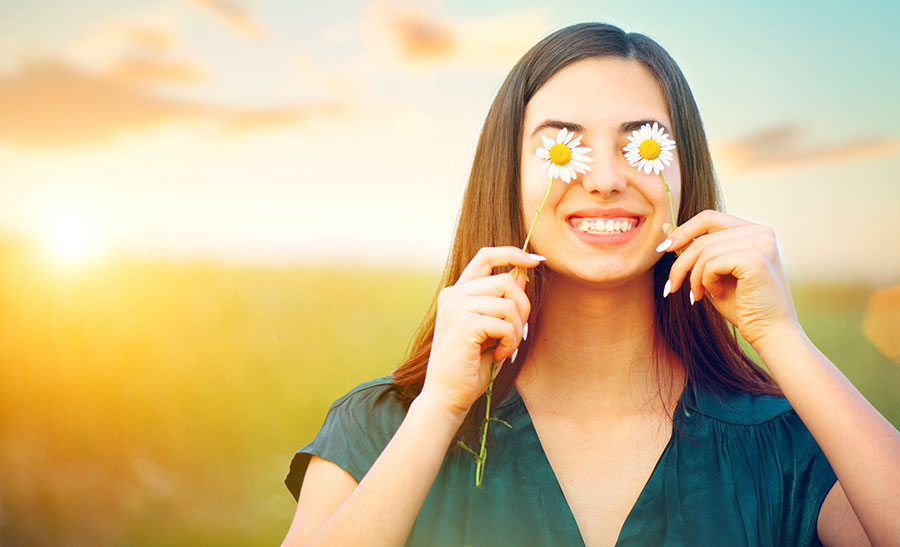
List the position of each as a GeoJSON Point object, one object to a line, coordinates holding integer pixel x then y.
{"type": "Point", "coordinates": [691, 294]}
{"type": "Point", "coordinates": [515, 354]}
{"type": "Point", "coordinates": [667, 288]}
{"type": "Point", "coordinates": [665, 227]}
{"type": "Point", "coordinates": [537, 257]}
{"type": "Point", "coordinates": [525, 332]}
{"type": "Point", "coordinates": [664, 245]}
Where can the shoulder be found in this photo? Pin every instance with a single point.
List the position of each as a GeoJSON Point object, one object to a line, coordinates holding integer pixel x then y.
{"type": "Point", "coordinates": [736, 408]}
{"type": "Point", "coordinates": [373, 409]}
{"type": "Point", "coordinates": [762, 429]}
{"type": "Point", "coordinates": [357, 427]}
{"type": "Point", "coordinates": [764, 424]}
{"type": "Point", "coordinates": [380, 393]}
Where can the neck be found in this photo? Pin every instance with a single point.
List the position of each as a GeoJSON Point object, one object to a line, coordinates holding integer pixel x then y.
{"type": "Point", "coordinates": [593, 349]}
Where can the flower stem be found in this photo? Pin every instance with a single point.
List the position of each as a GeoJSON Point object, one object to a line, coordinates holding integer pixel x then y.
{"type": "Point", "coordinates": [671, 210]}
{"type": "Point", "coordinates": [539, 209]}
{"type": "Point", "coordinates": [482, 454]}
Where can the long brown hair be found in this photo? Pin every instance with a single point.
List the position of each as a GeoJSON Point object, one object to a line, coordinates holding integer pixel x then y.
{"type": "Point", "coordinates": [491, 215]}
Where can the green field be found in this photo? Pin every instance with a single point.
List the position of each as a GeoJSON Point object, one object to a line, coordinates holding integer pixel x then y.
{"type": "Point", "coordinates": [160, 404]}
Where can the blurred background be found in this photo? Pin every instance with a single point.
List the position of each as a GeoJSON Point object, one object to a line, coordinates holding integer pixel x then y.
{"type": "Point", "coordinates": [217, 216]}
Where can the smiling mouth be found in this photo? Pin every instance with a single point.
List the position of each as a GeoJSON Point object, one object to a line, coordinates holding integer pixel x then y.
{"type": "Point", "coordinates": [617, 225]}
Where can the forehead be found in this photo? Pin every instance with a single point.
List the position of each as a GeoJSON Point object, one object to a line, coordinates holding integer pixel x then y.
{"type": "Point", "coordinates": [599, 94]}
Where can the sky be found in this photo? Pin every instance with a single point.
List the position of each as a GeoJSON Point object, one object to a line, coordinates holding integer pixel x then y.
{"type": "Point", "coordinates": [285, 132]}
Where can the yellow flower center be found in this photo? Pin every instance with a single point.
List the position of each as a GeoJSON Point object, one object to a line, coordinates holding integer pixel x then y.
{"type": "Point", "coordinates": [560, 154]}
{"type": "Point", "coordinates": [649, 149]}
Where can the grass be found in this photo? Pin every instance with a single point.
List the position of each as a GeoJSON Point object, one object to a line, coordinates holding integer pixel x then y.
{"type": "Point", "coordinates": [160, 404]}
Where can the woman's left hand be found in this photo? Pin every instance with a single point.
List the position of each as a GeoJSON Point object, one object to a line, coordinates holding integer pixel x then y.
{"type": "Point", "coordinates": [736, 262]}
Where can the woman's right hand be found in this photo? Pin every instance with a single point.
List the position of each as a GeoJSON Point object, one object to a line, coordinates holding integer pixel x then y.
{"type": "Point", "coordinates": [475, 313]}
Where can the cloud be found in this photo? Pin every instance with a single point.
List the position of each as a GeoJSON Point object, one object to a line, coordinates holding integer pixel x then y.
{"type": "Point", "coordinates": [134, 51]}
{"type": "Point", "coordinates": [786, 147]}
{"type": "Point", "coordinates": [420, 39]}
{"type": "Point", "coordinates": [418, 35]}
{"type": "Point", "coordinates": [236, 16]}
{"type": "Point", "coordinates": [49, 104]}
{"type": "Point", "coordinates": [149, 37]}
{"type": "Point", "coordinates": [104, 43]}
{"type": "Point", "coordinates": [157, 71]}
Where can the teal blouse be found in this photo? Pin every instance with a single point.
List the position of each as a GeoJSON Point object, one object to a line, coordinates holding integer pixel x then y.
{"type": "Point", "coordinates": [739, 469]}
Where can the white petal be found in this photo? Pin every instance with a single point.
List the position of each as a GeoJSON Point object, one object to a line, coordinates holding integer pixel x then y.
{"type": "Point", "coordinates": [548, 142]}
{"type": "Point", "coordinates": [581, 150]}
{"type": "Point", "coordinates": [561, 135]}
{"type": "Point", "coordinates": [568, 138]}
{"type": "Point", "coordinates": [583, 159]}
{"type": "Point", "coordinates": [575, 142]}
{"type": "Point", "coordinates": [542, 153]}
{"type": "Point", "coordinates": [546, 164]}
{"type": "Point", "coordinates": [579, 165]}
{"type": "Point", "coordinates": [648, 166]}
{"type": "Point", "coordinates": [553, 172]}
{"type": "Point", "coordinates": [566, 174]}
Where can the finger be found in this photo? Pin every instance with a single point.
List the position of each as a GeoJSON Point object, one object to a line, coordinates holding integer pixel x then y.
{"type": "Point", "coordinates": [689, 256]}
{"type": "Point", "coordinates": [720, 248]}
{"type": "Point", "coordinates": [499, 285]}
{"type": "Point", "coordinates": [705, 222]}
{"type": "Point", "coordinates": [488, 258]}
{"type": "Point", "coordinates": [711, 278]}
{"type": "Point", "coordinates": [708, 253]}
{"type": "Point", "coordinates": [502, 308]}
{"type": "Point", "coordinates": [494, 328]}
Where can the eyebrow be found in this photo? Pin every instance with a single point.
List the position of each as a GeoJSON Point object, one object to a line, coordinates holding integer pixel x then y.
{"type": "Point", "coordinates": [625, 127]}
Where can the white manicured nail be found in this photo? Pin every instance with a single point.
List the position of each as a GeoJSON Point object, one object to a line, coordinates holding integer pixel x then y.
{"type": "Point", "coordinates": [691, 294]}
{"type": "Point", "coordinates": [664, 245]}
{"type": "Point", "coordinates": [537, 256]}
{"type": "Point", "coordinates": [514, 355]}
{"type": "Point", "coordinates": [525, 332]}
{"type": "Point", "coordinates": [667, 288]}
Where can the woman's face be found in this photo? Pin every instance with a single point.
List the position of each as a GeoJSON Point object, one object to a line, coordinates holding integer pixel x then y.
{"type": "Point", "coordinates": [604, 99]}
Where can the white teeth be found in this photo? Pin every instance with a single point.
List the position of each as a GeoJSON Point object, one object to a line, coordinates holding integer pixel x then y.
{"type": "Point", "coordinates": [607, 226]}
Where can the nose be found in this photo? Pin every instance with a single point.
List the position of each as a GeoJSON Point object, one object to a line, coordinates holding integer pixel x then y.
{"type": "Point", "coordinates": [607, 174]}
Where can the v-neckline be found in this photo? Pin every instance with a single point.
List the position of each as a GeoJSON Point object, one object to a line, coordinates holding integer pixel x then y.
{"type": "Point", "coordinates": [514, 394]}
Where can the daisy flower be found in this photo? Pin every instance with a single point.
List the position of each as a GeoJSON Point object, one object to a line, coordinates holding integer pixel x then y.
{"type": "Point", "coordinates": [565, 157]}
{"type": "Point", "coordinates": [650, 149]}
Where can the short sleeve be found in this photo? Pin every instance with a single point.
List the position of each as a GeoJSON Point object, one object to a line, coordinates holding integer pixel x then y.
{"type": "Point", "coordinates": [809, 478]}
{"type": "Point", "coordinates": [357, 427]}
{"type": "Point", "coordinates": [751, 461]}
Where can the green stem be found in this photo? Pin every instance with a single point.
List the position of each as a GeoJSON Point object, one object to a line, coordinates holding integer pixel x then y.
{"type": "Point", "coordinates": [539, 209]}
{"type": "Point", "coordinates": [479, 469]}
{"type": "Point", "coordinates": [671, 209]}
{"type": "Point", "coordinates": [482, 455]}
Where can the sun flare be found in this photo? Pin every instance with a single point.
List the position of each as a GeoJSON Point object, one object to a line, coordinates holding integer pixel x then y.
{"type": "Point", "coordinates": [73, 241]}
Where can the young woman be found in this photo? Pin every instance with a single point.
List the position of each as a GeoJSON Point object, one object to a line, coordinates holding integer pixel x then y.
{"type": "Point", "coordinates": [630, 414]}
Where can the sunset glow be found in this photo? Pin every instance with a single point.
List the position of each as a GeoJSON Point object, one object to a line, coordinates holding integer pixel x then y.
{"type": "Point", "coordinates": [73, 241]}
